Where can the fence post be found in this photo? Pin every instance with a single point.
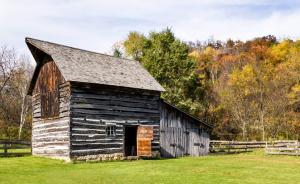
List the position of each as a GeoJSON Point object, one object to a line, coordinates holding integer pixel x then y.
{"type": "Point", "coordinates": [297, 148]}
{"type": "Point", "coordinates": [228, 147]}
{"type": "Point", "coordinates": [5, 148]}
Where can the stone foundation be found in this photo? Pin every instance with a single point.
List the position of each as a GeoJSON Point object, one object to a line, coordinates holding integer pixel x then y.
{"type": "Point", "coordinates": [156, 154]}
{"type": "Point", "coordinates": [108, 157]}
{"type": "Point", "coordinates": [100, 157]}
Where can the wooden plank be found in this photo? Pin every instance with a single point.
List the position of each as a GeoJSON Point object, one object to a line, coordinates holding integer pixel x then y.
{"type": "Point", "coordinates": [282, 149]}
{"type": "Point", "coordinates": [115, 98]}
{"type": "Point", "coordinates": [116, 102]}
{"type": "Point", "coordinates": [82, 112]}
{"type": "Point", "coordinates": [113, 108]}
{"type": "Point", "coordinates": [144, 138]}
{"type": "Point", "coordinates": [127, 93]}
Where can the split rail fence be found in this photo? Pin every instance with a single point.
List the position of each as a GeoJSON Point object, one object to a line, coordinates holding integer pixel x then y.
{"type": "Point", "coordinates": [284, 147]}
{"type": "Point", "coordinates": [14, 148]}
{"type": "Point", "coordinates": [235, 146]}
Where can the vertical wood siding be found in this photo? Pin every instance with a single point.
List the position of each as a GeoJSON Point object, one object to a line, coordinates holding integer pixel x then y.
{"type": "Point", "coordinates": [93, 108]}
{"type": "Point", "coordinates": [180, 134]}
{"type": "Point", "coordinates": [47, 85]}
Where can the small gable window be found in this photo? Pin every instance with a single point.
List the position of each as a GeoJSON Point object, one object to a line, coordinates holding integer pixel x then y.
{"type": "Point", "coordinates": [110, 130]}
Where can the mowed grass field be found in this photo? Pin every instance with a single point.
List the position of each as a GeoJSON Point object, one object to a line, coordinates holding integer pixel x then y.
{"type": "Point", "coordinates": [239, 168]}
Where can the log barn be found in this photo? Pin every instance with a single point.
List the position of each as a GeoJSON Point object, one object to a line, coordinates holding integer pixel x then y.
{"type": "Point", "coordinates": [92, 106]}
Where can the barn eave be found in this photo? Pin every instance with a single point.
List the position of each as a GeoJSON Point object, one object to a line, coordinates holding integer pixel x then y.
{"type": "Point", "coordinates": [189, 115]}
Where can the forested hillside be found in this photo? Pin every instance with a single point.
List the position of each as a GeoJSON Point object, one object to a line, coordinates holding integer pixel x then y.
{"type": "Point", "coordinates": [249, 90]}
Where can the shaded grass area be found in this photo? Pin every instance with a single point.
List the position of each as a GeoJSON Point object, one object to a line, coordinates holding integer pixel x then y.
{"type": "Point", "coordinates": [19, 150]}
{"type": "Point", "coordinates": [15, 152]}
{"type": "Point", "coordinates": [240, 168]}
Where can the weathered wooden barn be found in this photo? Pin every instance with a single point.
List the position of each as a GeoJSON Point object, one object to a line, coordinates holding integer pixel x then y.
{"type": "Point", "coordinates": [88, 105]}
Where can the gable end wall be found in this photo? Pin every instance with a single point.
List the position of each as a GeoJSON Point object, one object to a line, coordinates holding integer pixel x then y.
{"type": "Point", "coordinates": [51, 136]}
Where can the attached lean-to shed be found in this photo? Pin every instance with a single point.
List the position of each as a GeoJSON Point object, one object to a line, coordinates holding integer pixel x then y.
{"type": "Point", "coordinates": [182, 134]}
{"type": "Point", "coordinates": [88, 105]}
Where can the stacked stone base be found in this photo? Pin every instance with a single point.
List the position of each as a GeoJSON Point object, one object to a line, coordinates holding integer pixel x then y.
{"type": "Point", "coordinates": [100, 157]}
{"type": "Point", "coordinates": [110, 157]}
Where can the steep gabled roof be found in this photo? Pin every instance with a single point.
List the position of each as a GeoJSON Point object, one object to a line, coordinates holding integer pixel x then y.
{"type": "Point", "coordinates": [78, 65]}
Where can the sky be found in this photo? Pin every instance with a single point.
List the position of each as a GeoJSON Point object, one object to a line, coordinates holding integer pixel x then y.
{"type": "Point", "coordinates": [97, 24]}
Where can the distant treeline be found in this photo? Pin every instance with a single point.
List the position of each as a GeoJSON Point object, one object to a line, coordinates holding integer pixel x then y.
{"type": "Point", "coordinates": [249, 90]}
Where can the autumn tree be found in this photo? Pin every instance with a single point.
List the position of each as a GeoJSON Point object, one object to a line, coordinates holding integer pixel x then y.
{"type": "Point", "coordinates": [246, 89]}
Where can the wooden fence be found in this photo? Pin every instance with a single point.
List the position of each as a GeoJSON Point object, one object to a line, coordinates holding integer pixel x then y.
{"type": "Point", "coordinates": [271, 147]}
{"type": "Point", "coordinates": [14, 148]}
{"type": "Point", "coordinates": [283, 148]}
{"type": "Point", "coordinates": [235, 146]}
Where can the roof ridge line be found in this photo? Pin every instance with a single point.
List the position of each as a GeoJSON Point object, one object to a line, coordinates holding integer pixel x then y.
{"type": "Point", "coordinates": [27, 39]}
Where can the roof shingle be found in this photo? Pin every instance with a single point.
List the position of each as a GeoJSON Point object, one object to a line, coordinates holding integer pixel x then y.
{"type": "Point", "coordinates": [90, 67]}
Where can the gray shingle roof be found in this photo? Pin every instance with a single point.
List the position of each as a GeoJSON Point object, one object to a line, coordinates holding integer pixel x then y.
{"type": "Point", "coordinates": [90, 67]}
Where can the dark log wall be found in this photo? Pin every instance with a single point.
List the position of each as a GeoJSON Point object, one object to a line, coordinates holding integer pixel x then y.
{"type": "Point", "coordinates": [93, 108]}
{"type": "Point", "coordinates": [50, 136]}
{"type": "Point", "coordinates": [181, 134]}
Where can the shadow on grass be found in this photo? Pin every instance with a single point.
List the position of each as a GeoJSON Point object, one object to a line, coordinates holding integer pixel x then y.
{"type": "Point", "coordinates": [3, 155]}
{"type": "Point", "coordinates": [229, 153]}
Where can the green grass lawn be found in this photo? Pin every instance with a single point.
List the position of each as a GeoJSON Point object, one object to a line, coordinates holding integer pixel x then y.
{"type": "Point", "coordinates": [239, 168]}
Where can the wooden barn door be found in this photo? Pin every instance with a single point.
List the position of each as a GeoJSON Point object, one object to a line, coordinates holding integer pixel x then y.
{"type": "Point", "coordinates": [205, 140]}
{"type": "Point", "coordinates": [144, 138]}
{"type": "Point", "coordinates": [174, 142]}
{"type": "Point", "coordinates": [196, 142]}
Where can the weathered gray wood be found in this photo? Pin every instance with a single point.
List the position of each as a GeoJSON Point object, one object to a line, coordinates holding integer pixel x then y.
{"type": "Point", "coordinates": [112, 107]}
{"type": "Point", "coordinates": [217, 146]}
{"type": "Point", "coordinates": [85, 112]}
{"type": "Point", "coordinates": [114, 98]}
{"type": "Point", "coordinates": [181, 134]}
{"type": "Point", "coordinates": [285, 148]}
{"type": "Point", "coordinates": [118, 103]}
{"type": "Point", "coordinates": [93, 109]}
{"type": "Point", "coordinates": [173, 142]}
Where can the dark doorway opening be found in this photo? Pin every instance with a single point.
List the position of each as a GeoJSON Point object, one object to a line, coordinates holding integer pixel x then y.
{"type": "Point", "coordinates": [130, 140]}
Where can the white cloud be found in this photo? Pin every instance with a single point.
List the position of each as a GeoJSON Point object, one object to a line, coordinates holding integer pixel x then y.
{"type": "Point", "coordinates": [280, 24]}
{"type": "Point", "coordinates": [96, 25]}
